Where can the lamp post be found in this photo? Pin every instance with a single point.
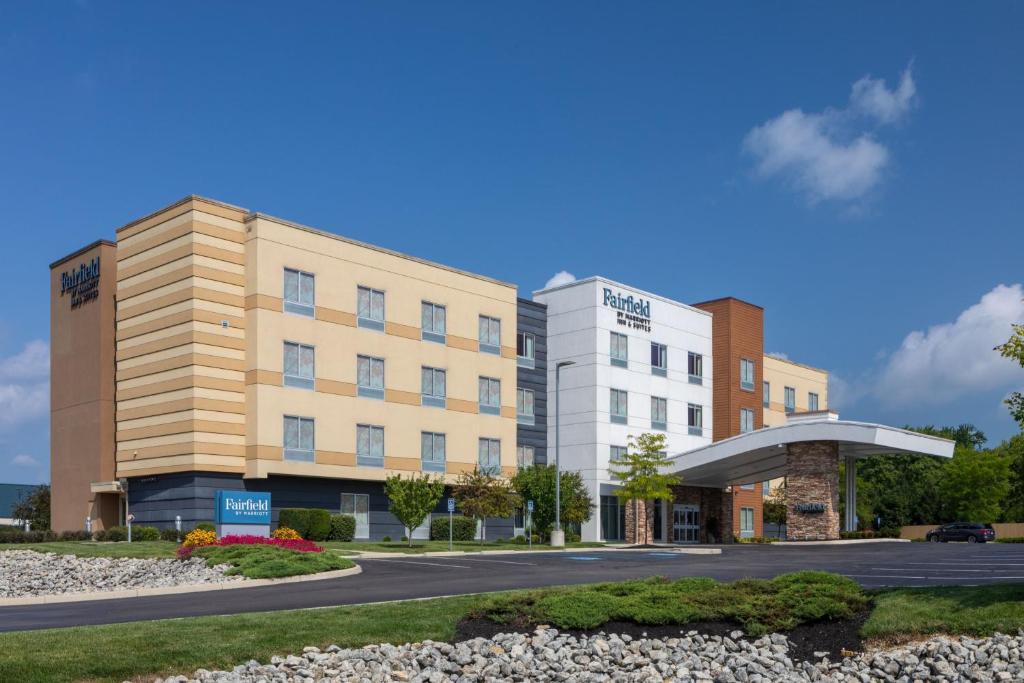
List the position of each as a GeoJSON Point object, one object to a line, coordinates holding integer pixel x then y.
{"type": "Point", "coordinates": [557, 535]}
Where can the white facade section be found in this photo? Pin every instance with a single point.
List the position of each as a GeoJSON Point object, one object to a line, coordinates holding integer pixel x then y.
{"type": "Point", "coordinates": [582, 316]}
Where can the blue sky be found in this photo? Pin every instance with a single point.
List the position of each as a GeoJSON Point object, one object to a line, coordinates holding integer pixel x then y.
{"type": "Point", "coordinates": [856, 170]}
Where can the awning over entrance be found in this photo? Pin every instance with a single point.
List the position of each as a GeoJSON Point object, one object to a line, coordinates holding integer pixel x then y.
{"type": "Point", "coordinates": [762, 455]}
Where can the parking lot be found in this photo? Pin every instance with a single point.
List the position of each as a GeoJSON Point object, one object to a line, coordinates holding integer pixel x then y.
{"type": "Point", "coordinates": [402, 577]}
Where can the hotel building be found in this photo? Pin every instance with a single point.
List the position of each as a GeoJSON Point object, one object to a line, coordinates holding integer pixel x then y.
{"type": "Point", "coordinates": [790, 387]}
{"type": "Point", "coordinates": [218, 348]}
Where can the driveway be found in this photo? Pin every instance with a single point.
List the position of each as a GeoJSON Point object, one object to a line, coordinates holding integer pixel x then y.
{"type": "Point", "coordinates": [408, 576]}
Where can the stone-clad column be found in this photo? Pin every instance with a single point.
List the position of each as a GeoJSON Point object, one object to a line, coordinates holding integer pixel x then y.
{"type": "Point", "coordinates": [812, 491]}
{"type": "Point", "coordinates": [644, 511]}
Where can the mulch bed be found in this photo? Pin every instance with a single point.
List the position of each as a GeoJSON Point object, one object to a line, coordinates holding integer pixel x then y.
{"type": "Point", "coordinates": [806, 639]}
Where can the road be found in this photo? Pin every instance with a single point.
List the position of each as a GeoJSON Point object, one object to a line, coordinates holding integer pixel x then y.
{"type": "Point", "coordinates": [409, 576]}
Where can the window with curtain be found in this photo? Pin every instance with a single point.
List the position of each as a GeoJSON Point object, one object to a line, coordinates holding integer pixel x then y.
{"type": "Point", "coordinates": [432, 451]}
{"type": "Point", "coordinates": [433, 320]}
{"type": "Point", "coordinates": [524, 406]}
{"type": "Point", "coordinates": [659, 359]}
{"type": "Point", "coordinates": [432, 381]}
{"type": "Point", "coordinates": [490, 395]}
{"type": "Point", "coordinates": [370, 376]}
{"type": "Point", "coordinates": [298, 365]}
{"type": "Point", "coordinates": [746, 374]}
{"type": "Point", "coordinates": [619, 407]}
{"type": "Point", "coordinates": [659, 413]}
{"type": "Point", "coordinates": [619, 350]}
{"type": "Point", "coordinates": [490, 335]}
{"type": "Point", "coordinates": [790, 399]}
{"type": "Point", "coordinates": [298, 438]}
{"type": "Point", "coordinates": [695, 367]}
{"type": "Point", "coordinates": [370, 445]}
{"type": "Point", "coordinates": [695, 419]}
{"type": "Point", "coordinates": [524, 456]}
{"type": "Point", "coordinates": [370, 303]}
{"type": "Point", "coordinates": [489, 457]}
{"type": "Point", "coordinates": [299, 292]}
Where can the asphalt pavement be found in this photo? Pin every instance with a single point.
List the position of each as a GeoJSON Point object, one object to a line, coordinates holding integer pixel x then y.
{"type": "Point", "coordinates": [405, 577]}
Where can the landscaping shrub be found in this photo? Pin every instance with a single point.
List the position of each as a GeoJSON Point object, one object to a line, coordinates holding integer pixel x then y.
{"type": "Point", "coordinates": [286, 534]}
{"type": "Point", "coordinates": [295, 518]}
{"type": "Point", "coordinates": [145, 533]}
{"type": "Point", "coordinates": [463, 528]}
{"type": "Point", "coordinates": [100, 535]}
{"type": "Point", "coordinates": [77, 535]}
{"type": "Point", "coordinates": [169, 535]}
{"type": "Point", "coordinates": [519, 540]}
{"type": "Point", "coordinates": [535, 538]}
{"type": "Point", "coordinates": [206, 526]}
{"type": "Point", "coordinates": [343, 527]}
{"type": "Point", "coordinates": [757, 539]}
{"type": "Point", "coordinates": [386, 539]}
{"type": "Point", "coordinates": [319, 528]}
{"type": "Point", "coordinates": [116, 534]}
{"type": "Point", "coordinates": [572, 537]}
{"type": "Point", "coordinates": [1011, 539]}
{"type": "Point", "coordinates": [199, 537]}
{"type": "Point", "coordinates": [268, 559]}
{"type": "Point", "coordinates": [19, 535]}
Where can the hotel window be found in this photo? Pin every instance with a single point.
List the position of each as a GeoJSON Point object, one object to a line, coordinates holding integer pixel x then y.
{"type": "Point", "coordinates": [299, 289]}
{"type": "Point", "coordinates": [298, 438]}
{"type": "Point", "coordinates": [790, 402]}
{"type": "Point", "coordinates": [619, 408]}
{"type": "Point", "coordinates": [746, 420]}
{"type": "Point", "coordinates": [370, 376]}
{"type": "Point", "coordinates": [659, 359]}
{"type": "Point", "coordinates": [526, 350]}
{"type": "Point", "coordinates": [371, 308]}
{"type": "Point", "coordinates": [619, 350]}
{"type": "Point", "coordinates": [432, 452]}
{"type": "Point", "coordinates": [369, 446]}
{"type": "Point", "coordinates": [746, 374]}
{"type": "Point", "coordinates": [489, 457]}
{"type": "Point", "coordinates": [524, 456]}
{"type": "Point", "coordinates": [746, 522]}
{"type": "Point", "coordinates": [766, 488]}
{"type": "Point", "coordinates": [616, 453]}
{"type": "Point", "coordinates": [659, 413]}
{"type": "Point", "coordinates": [433, 321]}
{"type": "Point", "coordinates": [812, 401]}
{"type": "Point", "coordinates": [432, 381]}
{"type": "Point", "coordinates": [767, 393]}
{"type": "Point", "coordinates": [358, 505]}
{"type": "Point", "coordinates": [490, 335]}
{"type": "Point", "coordinates": [695, 419]}
{"type": "Point", "coordinates": [695, 367]}
{"type": "Point", "coordinates": [524, 406]}
{"type": "Point", "coordinates": [747, 487]}
{"type": "Point", "coordinates": [298, 365]}
{"type": "Point", "coordinates": [490, 396]}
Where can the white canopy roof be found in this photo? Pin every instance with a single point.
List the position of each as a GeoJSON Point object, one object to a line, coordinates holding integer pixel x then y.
{"type": "Point", "coordinates": [761, 455]}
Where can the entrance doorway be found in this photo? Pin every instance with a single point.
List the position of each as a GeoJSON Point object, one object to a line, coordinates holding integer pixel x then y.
{"type": "Point", "coordinates": [686, 524]}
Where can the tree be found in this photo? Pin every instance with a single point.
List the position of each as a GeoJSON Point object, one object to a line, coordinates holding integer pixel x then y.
{"type": "Point", "coordinates": [1012, 450]}
{"type": "Point", "coordinates": [480, 495]}
{"type": "Point", "coordinates": [965, 435]}
{"type": "Point", "coordinates": [1014, 350]}
{"type": "Point", "coordinates": [537, 483]}
{"type": "Point", "coordinates": [774, 506]}
{"type": "Point", "coordinates": [641, 473]}
{"type": "Point", "coordinates": [974, 485]}
{"type": "Point", "coordinates": [34, 507]}
{"type": "Point", "coordinates": [412, 499]}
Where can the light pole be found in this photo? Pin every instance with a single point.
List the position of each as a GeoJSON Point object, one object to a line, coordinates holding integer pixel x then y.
{"type": "Point", "coordinates": [557, 535]}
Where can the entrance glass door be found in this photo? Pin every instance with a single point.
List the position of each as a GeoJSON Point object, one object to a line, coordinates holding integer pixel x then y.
{"type": "Point", "coordinates": [358, 505]}
{"type": "Point", "coordinates": [686, 524]}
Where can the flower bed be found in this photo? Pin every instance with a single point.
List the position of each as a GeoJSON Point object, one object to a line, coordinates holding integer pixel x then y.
{"type": "Point", "coordinates": [298, 545]}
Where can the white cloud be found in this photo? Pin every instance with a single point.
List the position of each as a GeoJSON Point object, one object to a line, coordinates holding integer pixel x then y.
{"type": "Point", "coordinates": [947, 361]}
{"type": "Point", "coordinates": [562, 277]}
{"type": "Point", "coordinates": [23, 460]}
{"type": "Point", "coordinates": [24, 384]}
{"type": "Point", "coordinates": [778, 354]}
{"type": "Point", "coordinates": [830, 155]}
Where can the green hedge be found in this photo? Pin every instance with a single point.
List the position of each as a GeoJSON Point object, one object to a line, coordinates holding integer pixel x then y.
{"type": "Point", "coordinates": [463, 528]}
{"type": "Point", "coordinates": [170, 535]}
{"type": "Point", "coordinates": [79, 535]}
{"type": "Point", "coordinates": [145, 533]}
{"type": "Point", "coordinates": [313, 524]}
{"type": "Point", "coordinates": [16, 535]}
{"type": "Point", "coordinates": [113, 534]}
{"type": "Point", "coordinates": [343, 527]}
{"type": "Point", "coordinates": [1011, 539]}
{"type": "Point", "coordinates": [757, 539]}
{"type": "Point", "coordinates": [206, 526]}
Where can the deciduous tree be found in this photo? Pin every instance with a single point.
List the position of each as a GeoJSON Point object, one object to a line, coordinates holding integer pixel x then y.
{"type": "Point", "coordinates": [412, 499]}
{"type": "Point", "coordinates": [974, 485]}
{"type": "Point", "coordinates": [642, 473]}
{"type": "Point", "coordinates": [1014, 350]}
{"type": "Point", "coordinates": [480, 495]}
{"type": "Point", "coordinates": [537, 483]}
{"type": "Point", "coordinates": [34, 507]}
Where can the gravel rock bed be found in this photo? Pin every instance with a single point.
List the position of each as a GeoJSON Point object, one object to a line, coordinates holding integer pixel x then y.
{"type": "Point", "coordinates": [547, 655]}
{"type": "Point", "coordinates": [25, 573]}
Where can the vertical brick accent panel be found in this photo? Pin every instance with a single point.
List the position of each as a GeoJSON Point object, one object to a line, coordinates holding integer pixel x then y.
{"type": "Point", "coordinates": [813, 477]}
{"type": "Point", "coordinates": [748, 498]}
{"type": "Point", "coordinates": [645, 512]}
{"type": "Point", "coordinates": [713, 503]}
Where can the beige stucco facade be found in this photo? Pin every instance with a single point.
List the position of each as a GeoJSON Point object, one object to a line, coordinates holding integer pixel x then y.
{"type": "Point", "coordinates": [201, 328]}
{"type": "Point", "coordinates": [805, 382]}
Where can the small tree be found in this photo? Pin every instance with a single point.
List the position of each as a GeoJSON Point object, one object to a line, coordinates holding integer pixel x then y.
{"type": "Point", "coordinates": [537, 483]}
{"type": "Point", "coordinates": [641, 472]}
{"type": "Point", "coordinates": [412, 499]}
{"type": "Point", "coordinates": [34, 507]}
{"type": "Point", "coordinates": [775, 506]}
{"type": "Point", "coordinates": [480, 495]}
{"type": "Point", "coordinates": [1014, 350]}
{"type": "Point", "coordinates": [974, 485]}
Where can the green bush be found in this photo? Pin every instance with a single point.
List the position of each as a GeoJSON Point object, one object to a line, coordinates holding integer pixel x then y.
{"type": "Point", "coordinates": [77, 535]}
{"type": "Point", "coordinates": [519, 540]}
{"type": "Point", "coordinates": [343, 527]}
{"type": "Point", "coordinates": [757, 539]}
{"type": "Point", "coordinates": [535, 539]}
{"type": "Point", "coordinates": [386, 539]}
{"type": "Point", "coordinates": [319, 525]}
{"type": "Point", "coordinates": [206, 526]}
{"type": "Point", "coordinates": [267, 561]}
{"type": "Point", "coordinates": [1011, 539]}
{"type": "Point", "coordinates": [19, 535]}
{"type": "Point", "coordinates": [170, 535]}
{"type": "Point", "coordinates": [145, 533]}
{"type": "Point", "coordinates": [463, 528]}
{"type": "Point", "coordinates": [572, 537]}
{"type": "Point", "coordinates": [116, 534]}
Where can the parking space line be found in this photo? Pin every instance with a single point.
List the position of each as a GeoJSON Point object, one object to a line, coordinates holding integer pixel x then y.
{"type": "Point", "coordinates": [948, 569]}
{"type": "Point", "coordinates": [432, 564]}
{"type": "Point", "coordinates": [926, 578]}
{"type": "Point", "coordinates": [480, 559]}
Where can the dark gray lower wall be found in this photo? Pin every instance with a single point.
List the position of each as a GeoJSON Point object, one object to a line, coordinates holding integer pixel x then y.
{"type": "Point", "coordinates": [156, 500]}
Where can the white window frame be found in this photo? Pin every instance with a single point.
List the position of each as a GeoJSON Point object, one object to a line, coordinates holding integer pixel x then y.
{"type": "Point", "coordinates": [812, 401]}
{"type": "Point", "coordinates": [659, 413]}
{"type": "Point", "coordinates": [616, 453]}
{"type": "Point", "coordinates": [659, 359]}
{"type": "Point", "coordinates": [766, 394]}
{"type": "Point", "coordinates": [788, 393]}
{"type": "Point", "coordinates": [370, 320]}
{"type": "Point", "coordinates": [493, 385]}
{"type": "Point", "coordinates": [526, 456]}
{"type": "Point", "coordinates": [618, 349]}
{"type": "Point", "coordinates": [297, 453]}
{"type": "Point", "coordinates": [746, 530]}
{"type": "Point", "coordinates": [525, 406]}
{"type": "Point", "coordinates": [362, 529]}
{"type": "Point", "coordinates": [493, 464]}
{"type": "Point", "coordinates": [746, 420]}
{"type": "Point", "coordinates": [695, 419]}
{"type": "Point", "coordinates": [747, 374]}
{"type": "Point", "coordinates": [370, 459]}
{"type": "Point", "coordinates": [695, 361]}
{"type": "Point", "coordinates": [618, 405]}
{"type": "Point", "coordinates": [489, 334]}
{"type": "Point", "coordinates": [429, 396]}
{"type": "Point", "coordinates": [431, 463]}
{"type": "Point", "coordinates": [430, 332]}
{"type": "Point", "coordinates": [369, 390]}
{"type": "Point", "coordinates": [297, 379]}
{"type": "Point", "coordinates": [527, 341]}
{"type": "Point", "coordinates": [304, 280]}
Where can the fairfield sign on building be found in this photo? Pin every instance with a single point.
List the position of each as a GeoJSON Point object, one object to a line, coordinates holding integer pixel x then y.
{"type": "Point", "coordinates": [634, 313]}
{"type": "Point", "coordinates": [83, 283]}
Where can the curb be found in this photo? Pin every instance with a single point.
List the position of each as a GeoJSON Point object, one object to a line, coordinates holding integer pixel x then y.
{"type": "Point", "coordinates": [169, 590]}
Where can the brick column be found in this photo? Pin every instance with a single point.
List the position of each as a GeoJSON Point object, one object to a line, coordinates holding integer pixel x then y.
{"type": "Point", "coordinates": [812, 478]}
{"type": "Point", "coordinates": [634, 509]}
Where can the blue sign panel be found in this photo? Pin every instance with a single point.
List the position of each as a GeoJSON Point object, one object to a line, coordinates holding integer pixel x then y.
{"type": "Point", "coordinates": [451, 505]}
{"type": "Point", "coordinates": [243, 507]}
{"type": "Point", "coordinates": [529, 506]}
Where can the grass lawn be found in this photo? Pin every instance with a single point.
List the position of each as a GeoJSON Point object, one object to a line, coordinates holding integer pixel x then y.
{"type": "Point", "coordinates": [92, 549]}
{"type": "Point", "coordinates": [439, 546]}
{"type": "Point", "coordinates": [902, 613]}
{"type": "Point", "coordinates": [270, 562]}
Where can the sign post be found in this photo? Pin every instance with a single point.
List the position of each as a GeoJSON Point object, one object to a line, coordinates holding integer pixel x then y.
{"type": "Point", "coordinates": [451, 509]}
{"type": "Point", "coordinates": [130, 518]}
{"type": "Point", "coordinates": [529, 523]}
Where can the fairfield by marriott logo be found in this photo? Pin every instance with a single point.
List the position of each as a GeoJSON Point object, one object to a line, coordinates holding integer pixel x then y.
{"type": "Point", "coordinates": [634, 313]}
{"type": "Point", "coordinates": [247, 506]}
